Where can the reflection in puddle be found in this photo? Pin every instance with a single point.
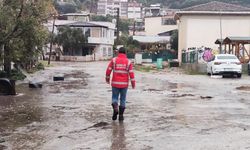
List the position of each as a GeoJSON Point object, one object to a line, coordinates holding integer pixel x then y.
{"type": "Point", "coordinates": [161, 85]}
{"type": "Point", "coordinates": [118, 139]}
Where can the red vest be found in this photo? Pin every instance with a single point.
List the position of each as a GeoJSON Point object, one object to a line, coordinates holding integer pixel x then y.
{"type": "Point", "coordinates": [122, 71]}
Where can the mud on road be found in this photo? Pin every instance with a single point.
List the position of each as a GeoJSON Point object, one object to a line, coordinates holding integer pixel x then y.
{"type": "Point", "coordinates": [167, 110]}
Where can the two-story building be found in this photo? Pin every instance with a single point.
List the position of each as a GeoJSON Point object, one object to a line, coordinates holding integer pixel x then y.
{"type": "Point", "coordinates": [100, 40]}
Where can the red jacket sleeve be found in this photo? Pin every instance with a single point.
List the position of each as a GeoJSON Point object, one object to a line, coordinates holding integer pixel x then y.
{"type": "Point", "coordinates": [132, 75]}
{"type": "Point", "coordinates": [109, 70]}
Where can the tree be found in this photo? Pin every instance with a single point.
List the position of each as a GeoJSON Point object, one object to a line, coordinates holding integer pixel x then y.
{"type": "Point", "coordinates": [71, 39]}
{"type": "Point", "coordinates": [123, 23]}
{"type": "Point", "coordinates": [130, 44]}
{"type": "Point", "coordinates": [22, 33]}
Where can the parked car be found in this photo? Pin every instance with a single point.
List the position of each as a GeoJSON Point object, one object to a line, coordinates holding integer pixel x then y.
{"type": "Point", "coordinates": [223, 64]}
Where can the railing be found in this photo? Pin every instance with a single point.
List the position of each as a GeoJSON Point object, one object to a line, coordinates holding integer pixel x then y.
{"type": "Point", "coordinates": [99, 40]}
{"type": "Point", "coordinates": [190, 57]}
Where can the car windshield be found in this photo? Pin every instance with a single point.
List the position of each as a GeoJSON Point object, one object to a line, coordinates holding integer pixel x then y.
{"type": "Point", "coordinates": [226, 57]}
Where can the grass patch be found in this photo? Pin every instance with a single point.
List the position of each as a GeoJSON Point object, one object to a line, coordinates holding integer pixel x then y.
{"type": "Point", "coordinates": [45, 63]}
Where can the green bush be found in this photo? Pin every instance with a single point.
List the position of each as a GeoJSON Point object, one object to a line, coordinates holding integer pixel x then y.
{"type": "Point", "coordinates": [14, 74]}
{"type": "Point", "coordinates": [17, 75]}
{"type": "Point", "coordinates": [40, 66]}
{"type": "Point", "coordinates": [3, 74]}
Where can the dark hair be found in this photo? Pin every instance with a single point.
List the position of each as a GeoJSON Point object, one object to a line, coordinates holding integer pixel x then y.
{"type": "Point", "coordinates": [122, 50]}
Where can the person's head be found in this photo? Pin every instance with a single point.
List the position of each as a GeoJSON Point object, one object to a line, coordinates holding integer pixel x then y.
{"type": "Point", "coordinates": [122, 50]}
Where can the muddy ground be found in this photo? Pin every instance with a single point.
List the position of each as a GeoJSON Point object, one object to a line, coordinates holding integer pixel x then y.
{"type": "Point", "coordinates": [168, 110]}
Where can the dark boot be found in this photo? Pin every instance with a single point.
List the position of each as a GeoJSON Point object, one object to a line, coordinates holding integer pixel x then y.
{"type": "Point", "coordinates": [121, 111]}
{"type": "Point", "coordinates": [115, 111]}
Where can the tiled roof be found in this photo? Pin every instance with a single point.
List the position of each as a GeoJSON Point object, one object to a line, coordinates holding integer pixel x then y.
{"type": "Point", "coordinates": [89, 24]}
{"type": "Point", "coordinates": [217, 6]}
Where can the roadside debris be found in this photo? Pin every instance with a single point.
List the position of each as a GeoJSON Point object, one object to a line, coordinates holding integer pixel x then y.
{"type": "Point", "coordinates": [206, 97]}
{"type": "Point", "coordinates": [243, 88]}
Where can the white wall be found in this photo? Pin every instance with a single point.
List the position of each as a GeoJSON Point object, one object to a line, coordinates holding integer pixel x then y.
{"type": "Point", "coordinates": [197, 31]}
{"type": "Point", "coordinates": [103, 52]}
{"type": "Point", "coordinates": [153, 26]}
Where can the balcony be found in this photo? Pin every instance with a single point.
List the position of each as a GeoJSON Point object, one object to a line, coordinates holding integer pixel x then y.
{"type": "Point", "coordinates": [101, 40]}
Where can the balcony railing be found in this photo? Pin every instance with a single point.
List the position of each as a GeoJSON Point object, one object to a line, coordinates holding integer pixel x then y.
{"type": "Point", "coordinates": [102, 40]}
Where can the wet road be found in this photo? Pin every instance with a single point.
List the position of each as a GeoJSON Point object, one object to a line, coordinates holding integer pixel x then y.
{"type": "Point", "coordinates": [167, 110]}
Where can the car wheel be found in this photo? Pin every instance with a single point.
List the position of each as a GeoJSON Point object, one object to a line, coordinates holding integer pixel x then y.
{"type": "Point", "coordinates": [239, 75]}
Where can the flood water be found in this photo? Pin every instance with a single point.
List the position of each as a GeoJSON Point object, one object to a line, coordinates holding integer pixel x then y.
{"type": "Point", "coordinates": [167, 110]}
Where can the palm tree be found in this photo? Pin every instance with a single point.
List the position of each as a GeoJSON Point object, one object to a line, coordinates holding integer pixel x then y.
{"type": "Point", "coordinates": [71, 39]}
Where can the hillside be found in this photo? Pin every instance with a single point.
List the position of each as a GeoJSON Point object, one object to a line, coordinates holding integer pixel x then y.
{"type": "Point", "coordinates": [178, 4]}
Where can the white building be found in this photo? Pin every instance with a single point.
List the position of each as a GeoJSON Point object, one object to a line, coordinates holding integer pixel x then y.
{"type": "Point", "coordinates": [201, 25]}
{"type": "Point", "coordinates": [134, 10]}
{"type": "Point", "coordinates": [83, 16]}
{"type": "Point", "coordinates": [109, 7]}
{"type": "Point", "coordinates": [100, 40]}
{"type": "Point", "coordinates": [159, 24]}
{"type": "Point", "coordinates": [152, 10]}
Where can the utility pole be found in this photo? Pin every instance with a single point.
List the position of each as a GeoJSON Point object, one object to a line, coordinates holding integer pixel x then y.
{"type": "Point", "coordinates": [51, 39]}
{"type": "Point", "coordinates": [117, 26]}
{"type": "Point", "coordinates": [221, 32]}
{"type": "Point", "coordinates": [134, 27]}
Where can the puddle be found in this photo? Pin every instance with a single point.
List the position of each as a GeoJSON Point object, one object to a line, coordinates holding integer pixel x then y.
{"type": "Point", "coordinates": [75, 80]}
{"type": "Point", "coordinates": [118, 137]}
{"type": "Point", "coordinates": [161, 85]}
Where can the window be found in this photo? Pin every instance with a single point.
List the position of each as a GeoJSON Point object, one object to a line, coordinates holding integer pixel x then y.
{"type": "Point", "coordinates": [87, 32]}
{"type": "Point", "coordinates": [104, 32]}
{"type": "Point", "coordinates": [168, 21]}
{"type": "Point", "coordinates": [109, 51]}
{"type": "Point", "coordinates": [104, 51]}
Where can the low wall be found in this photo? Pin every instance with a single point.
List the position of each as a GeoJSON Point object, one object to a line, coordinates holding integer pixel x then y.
{"type": "Point", "coordinates": [244, 68]}
{"type": "Point", "coordinates": [76, 58]}
{"type": "Point", "coordinates": [199, 68]}
{"type": "Point", "coordinates": [202, 68]}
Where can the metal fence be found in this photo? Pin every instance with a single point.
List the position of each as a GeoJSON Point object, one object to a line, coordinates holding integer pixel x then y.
{"type": "Point", "coordinates": [190, 57]}
{"type": "Point", "coordinates": [165, 55]}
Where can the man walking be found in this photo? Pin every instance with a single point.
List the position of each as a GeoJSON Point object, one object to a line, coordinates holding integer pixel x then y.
{"type": "Point", "coordinates": [122, 71]}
